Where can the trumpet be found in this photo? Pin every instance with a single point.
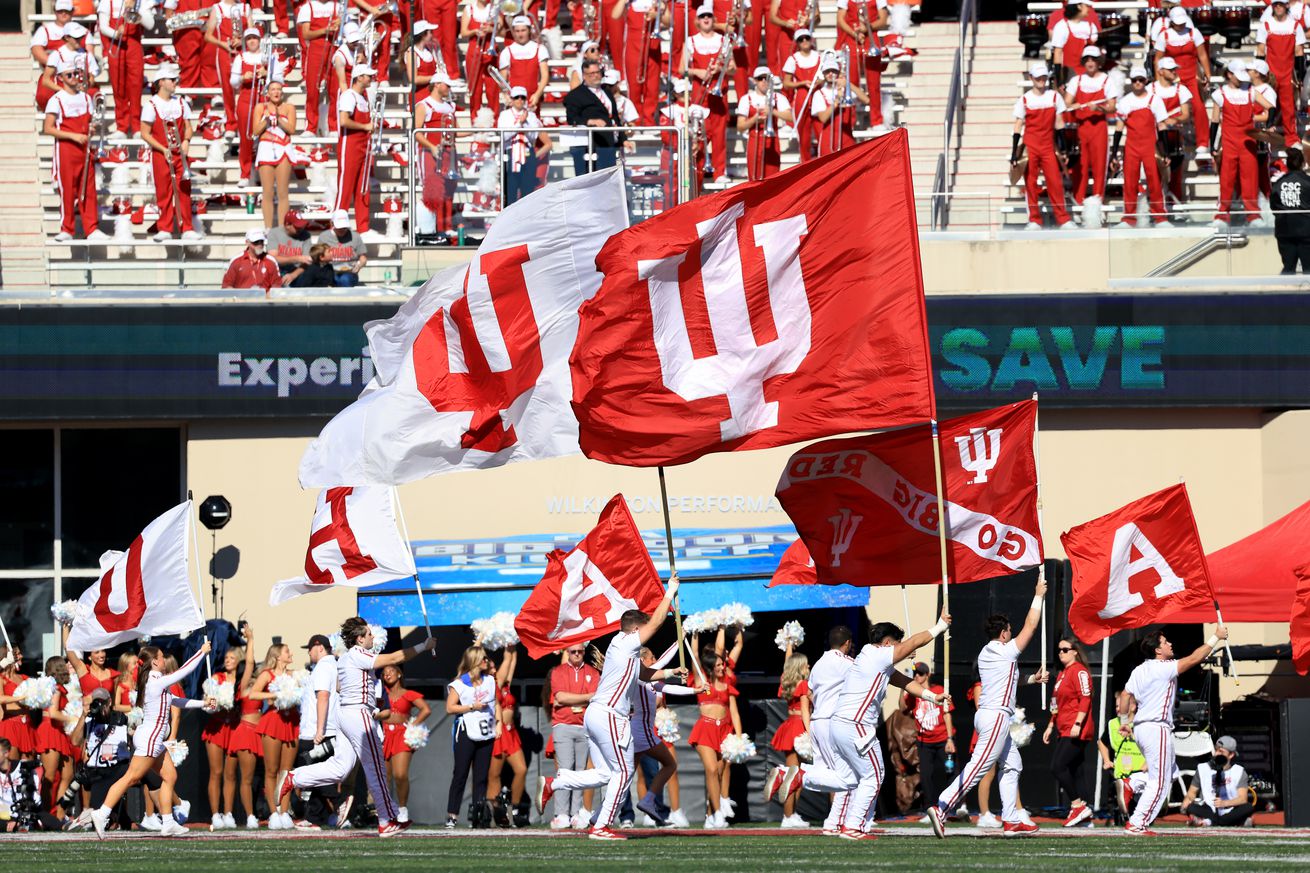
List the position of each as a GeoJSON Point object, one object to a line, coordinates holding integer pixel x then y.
{"type": "Point", "coordinates": [769, 128]}
{"type": "Point", "coordinates": [870, 45]}
{"type": "Point", "coordinates": [738, 15]}
{"type": "Point", "coordinates": [720, 66]}
{"type": "Point", "coordinates": [652, 34]}
{"type": "Point", "coordinates": [498, 78]}
{"type": "Point", "coordinates": [132, 12]}
{"type": "Point", "coordinates": [848, 97]}
{"type": "Point", "coordinates": [811, 15]}
{"type": "Point", "coordinates": [186, 20]}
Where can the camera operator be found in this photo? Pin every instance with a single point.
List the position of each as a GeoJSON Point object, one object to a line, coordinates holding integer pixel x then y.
{"type": "Point", "coordinates": [20, 795]}
{"type": "Point", "coordinates": [105, 754]}
{"type": "Point", "coordinates": [1225, 800]}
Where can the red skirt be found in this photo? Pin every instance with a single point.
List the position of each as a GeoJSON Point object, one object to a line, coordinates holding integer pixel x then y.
{"type": "Point", "coordinates": [218, 729]}
{"type": "Point", "coordinates": [282, 725]}
{"type": "Point", "coordinates": [244, 738]}
{"type": "Point", "coordinates": [710, 732]}
{"type": "Point", "coordinates": [508, 742]}
{"type": "Point", "coordinates": [50, 737]}
{"type": "Point", "coordinates": [784, 738]}
{"type": "Point", "coordinates": [393, 740]}
{"type": "Point", "coordinates": [19, 732]}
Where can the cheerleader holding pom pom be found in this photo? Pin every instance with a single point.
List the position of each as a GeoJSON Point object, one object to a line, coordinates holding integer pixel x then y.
{"type": "Point", "coordinates": [718, 720]}
{"type": "Point", "coordinates": [52, 742]}
{"type": "Point", "coordinates": [408, 710]}
{"type": "Point", "coordinates": [217, 736]}
{"type": "Point", "coordinates": [795, 689]}
{"type": "Point", "coordinates": [278, 728]}
{"type": "Point", "coordinates": [91, 673]}
{"type": "Point", "coordinates": [508, 747]}
{"type": "Point", "coordinates": [245, 743]}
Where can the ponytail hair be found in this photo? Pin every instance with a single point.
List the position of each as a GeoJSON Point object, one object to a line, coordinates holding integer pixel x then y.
{"type": "Point", "coordinates": [145, 658]}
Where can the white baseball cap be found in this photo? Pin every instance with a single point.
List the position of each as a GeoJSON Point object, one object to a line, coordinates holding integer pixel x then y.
{"type": "Point", "coordinates": [588, 46]}
{"type": "Point", "coordinates": [800, 33]}
{"type": "Point", "coordinates": [423, 27]}
{"type": "Point", "coordinates": [1260, 67]}
{"type": "Point", "coordinates": [63, 5]}
{"type": "Point", "coordinates": [1038, 70]}
{"type": "Point", "coordinates": [1178, 16]}
{"type": "Point", "coordinates": [761, 71]}
{"type": "Point", "coordinates": [1091, 51]}
{"type": "Point", "coordinates": [362, 70]}
{"type": "Point", "coordinates": [610, 77]}
{"type": "Point", "coordinates": [1238, 69]}
{"type": "Point", "coordinates": [680, 86]}
{"type": "Point", "coordinates": [352, 32]}
{"type": "Point", "coordinates": [256, 235]}
{"type": "Point", "coordinates": [341, 218]}
{"type": "Point", "coordinates": [167, 71]}
{"type": "Point", "coordinates": [830, 66]}
{"type": "Point", "coordinates": [520, 21]}
{"type": "Point", "coordinates": [518, 91]}
{"type": "Point", "coordinates": [1166, 64]}
{"type": "Point", "coordinates": [61, 66]}
{"type": "Point", "coordinates": [75, 30]}
{"type": "Point", "coordinates": [705, 10]}
{"type": "Point", "coordinates": [1137, 72]}
{"type": "Point", "coordinates": [442, 78]}
{"type": "Point", "coordinates": [252, 31]}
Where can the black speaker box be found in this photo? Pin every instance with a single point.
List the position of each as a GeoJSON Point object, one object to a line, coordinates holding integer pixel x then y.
{"type": "Point", "coordinates": [1295, 734]}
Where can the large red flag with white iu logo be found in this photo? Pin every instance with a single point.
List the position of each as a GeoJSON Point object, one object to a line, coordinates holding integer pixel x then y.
{"type": "Point", "coordinates": [777, 311]}
{"type": "Point", "coordinates": [145, 591]}
{"type": "Point", "coordinates": [1135, 565]}
{"type": "Point", "coordinates": [866, 507]}
{"type": "Point", "coordinates": [472, 371]}
{"type": "Point", "coordinates": [353, 541]}
{"type": "Point", "coordinates": [586, 590]}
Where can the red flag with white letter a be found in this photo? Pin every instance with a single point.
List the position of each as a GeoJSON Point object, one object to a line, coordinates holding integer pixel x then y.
{"type": "Point", "coordinates": [1135, 565]}
{"type": "Point", "coordinates": [145, 591]}
{"type": "Point", "coordinates": [586, 590]}
{"type": "Point", "coordinates": [1299, 626]}
{"type": "Point", "coordinates": [353, 541]}
{"type": "Point", "coordinates": [780, 310]}
{"type": "Point", "coordinates": [866, 507]}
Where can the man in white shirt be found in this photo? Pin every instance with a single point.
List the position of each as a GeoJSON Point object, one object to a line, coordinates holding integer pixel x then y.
{"type": "Point", "coordinates": [826, 679]}
{"type": "Point", "coordinates": [319, 706]}
{"type": "Point", "coordinates": [998, 668]}
{"type": "Point", "coordinates": [1153, 689]}
{"type": "Point", "coordinates": [608, 719]}
{"type": "Point", "coordinates": [1222, 785]}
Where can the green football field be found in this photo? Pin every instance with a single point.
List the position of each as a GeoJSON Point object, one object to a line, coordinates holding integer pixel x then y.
{"type": "Point", "coordinates": [1248, 851]}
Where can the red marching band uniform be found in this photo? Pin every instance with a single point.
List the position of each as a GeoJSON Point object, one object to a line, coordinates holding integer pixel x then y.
{"type": "Point", "coordinates": [866, 57]}
{"type": "Point", "coordinates": [641, 50]}
{"type": "Point", "coordinates": [1093, 132]}
{"type": "Point", "coordinates": [426, 66]}
{"type": "Point", "coordinates": [1141, 117]}
{"type": "Point", "coordinates": [343, 57]}
{"type": "Point", "coordinates": [445, 15]}
{"type": "Point", "coordinates": [803, 70]}
{"type": "Point", "coordinates": [1281, 39]}
{"type": "Point", "coordinates": [1238, 166]}
{"type": "Point", "coordinates": [1182, 47]}
{"type": "Point", "coordinates": [189, 41]}
{"type": "Point", "coordinates": [524, 64]}
{"type": "Point", "coordinates": [384, 24]}
{"type": "Point", "coordinates": [741, 55]}
{"type": "Point", "coordinates": [127, 65]}
{"type": "Point", "coordinates": [779, 42]}
{"type": "Point", "coordinates": [703, 51]}
{"type": "Point", "coordinates": [353, 186]}
{"type": "Point", "coordinates": [480, 54]}
{"type": "Point", "coordinates": [1173, 97]}
{"type": "Point", "coordinates": [161, 115]}
{"type": "Point", "coordinates": [227, 22]}
{"type": "Point", "coordinates": [74, 175]}
{"type": "Point", "coordinates": [437, 176]}
{"type": "Point", "coordinates": [1039, 113]}
{"type": "Point", "coordinates": [763, 157]}
{"type": "Point", "coordinates": [252, 86]}
{"type": "Point", "coordinates": [317, 15]}
{"type": "Point", "coordinates": [838, 132]}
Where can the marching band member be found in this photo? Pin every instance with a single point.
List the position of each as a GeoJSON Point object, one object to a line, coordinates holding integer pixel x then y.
{"type": "Point", "coordinates": [700, 62]}
{"type": "Point", "coordinates": [1142, 115]}
{"type": "Point", "coordinates": [384, 25]}
{"type": "Point", "coordinates": [1036, 114]}
{"type": "Point", "coordinates": [798, 74]}
{"type": "Point", "coordinates": [523, 61]}
{"type": "Point", "coordinates": [525, 150]}
{"type": "Point", "coordinates": [166, 128]}
{"type": "Point", "coordinates": [439, 164]}
{"type": "Point", "coordinates": [1185, 45]}
{"type": "Point", "coordinates": [71, 54]}
{"type": "Point", "coordinates": [250, 79]}
{"type": "Point", "coordinates": [189, 41]}
{"type": "Point", "coordinates": [862, 42]}
{"type": "Point", "coordinates": [68, 121]}
{"type": "Point", "coordinates": [1280, 40]}
{"type": "Point", "coordinates": [641, 56]}
{"type": "Point", "coordinates": [1178, 105]}
{"type": "Point", "coordinates": [1071, 34]}
{"type": "Point", "coordinates": [1261, 84]}
{"type": "Point", "coordinates": [49, 38]}
{"type": "Point", "coordinates": [1090, 97]}
{"type": "Point", "coordinates": [423, 61]}
{"type": "Point", "coordinates": [785, 19]}
{"type": "Point", "coordinates": [727, 23]}
{"type": "Point", "coordinates": [354, 137]}
{"type": "Point", "coordinates": [832, 107]}
{"type": "Point", "coordinates": [479, 25]}
{"type": "Point", "coordinates": [274, 125]}
{"type": "Point", "coordinates": [1236, 107]}
{"type": "Point", "coordinates": [121, 39]}
{"type": "Point", "coordinates": [317, 23]}
{"type": "Point", "coordinates": [344, 59]}
{"type": "Point", "coordinates": [444, 16]}
{"type": "Point", "coordinates": [227, 21]}
{"type": "Point", "coordinates": [762, 156]}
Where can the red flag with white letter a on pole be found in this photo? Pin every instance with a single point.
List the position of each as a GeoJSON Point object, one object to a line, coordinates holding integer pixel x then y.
{"type": "Point", "coordinates": [1135, 565]}
{"type": "Point", "coordinates": [781, 310]}
{"type": "Point", "coordinates": [585, 591]}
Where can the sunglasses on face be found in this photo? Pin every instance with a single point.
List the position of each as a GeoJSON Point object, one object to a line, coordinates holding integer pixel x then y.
{"type": "Point", "coordinates": [1139, 79]}
{"type": "Point", "coordinates": [575, 651]}
{"type": "Point", "coordinates": [1064, 649]}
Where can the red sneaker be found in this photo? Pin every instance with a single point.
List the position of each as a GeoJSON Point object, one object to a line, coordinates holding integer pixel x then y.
{"type": "Point", "coordinates": [544, 792]}
{"type": "Point", "coordinates": [853, 834]}
{"type": "Point", "coordinates": [773, 783]}
{"type": "Point", "coordinates": [1019, 828]}
{"type": "Point", "coordinates": [286, 785]}
{"type": "Point", "coordinates": [604, 834]}
{"type": "Point", "coordinates": [791, 782]}
{"type": "Point", "coordinates": [1134, 831]}
{"type": "Point", "coordinates": [390, 829]}
{"type": "Point", "coordinates": [1078, 815]}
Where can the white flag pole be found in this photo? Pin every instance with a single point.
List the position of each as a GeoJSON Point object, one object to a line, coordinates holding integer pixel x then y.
{"type": "Point", "coordinates": [941, 540]}
{"type": "Point", "coordinates": [1041, 567]}
{"type": "Point", "coordinates": [1219, 616]}
{"type": "Point", "coordinates": [1100, 728]}
{"type": "Point", "coordinates": [9, 647]}
{"type": "Point", "coordinates": [905, 604]}
{"type": "Point", "coordinates": [673, 568]}
{"type": "Point", "coordinates": [418, 586]}
{"type": "Point", "coordinates": [200, 597]}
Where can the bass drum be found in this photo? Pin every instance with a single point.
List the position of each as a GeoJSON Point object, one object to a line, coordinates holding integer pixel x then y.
{"type": "Point", "coordinates": [1235, 25]}
{"type": "Point", "coordinates": [1206, 20]}
{"type": "Point", "coordinates": [1147, 17]}
{"type": "Point", "coordinates": [1033, 34]}
{"type": "Point", "coordinates": [1114, 35]}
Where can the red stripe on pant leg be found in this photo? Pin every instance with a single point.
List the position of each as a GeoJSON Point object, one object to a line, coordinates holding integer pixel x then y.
{"type": "Point", "coordinates": [969, 774]}
{"type": "Point", "coordinates": [872, 761]}
{"type": "Point", "coordinates": [1161, 783]}
{"type": "Point", "coordinates": [379, 770]}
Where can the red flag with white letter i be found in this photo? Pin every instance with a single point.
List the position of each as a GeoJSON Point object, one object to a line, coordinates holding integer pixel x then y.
{"type": "Point", "coordinates": [1135, 565]}
{"type": "Point", "coordinates": [780, 310]}
{"type": "Point", "coordinates": [586, 590]}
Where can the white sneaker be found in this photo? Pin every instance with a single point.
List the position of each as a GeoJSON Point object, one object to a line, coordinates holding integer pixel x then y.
{"type": "Point", "coordinates": [794, 821]}
{"type": "Point", "coordinates": [1164, 224]}
{"type": "Point", "coordinates": [721, 180]}
{"type": "Point", "coordinates": [63, 236]}
{"type": "Point", "coordinates": [1257, 222]}
{"type": "Point", "coordinates": [712, 822]}
{"type": "Point", "coordinates": [927, 819]}
{"type": "Point", "coordinates": [988, 822]}
{"type": "Point", "coordinates": [162, 236]}
{"type": "Point", "coordinates": [1032, 225]}
{"type": "Point", "coordinates": [173, 829]}
{"type": "Point", "coordinates": [560, 823]}
{"type": "Point", "coordinates": [100, 818]}
{"type": "Point", "coordinates": [243, 182]}
{"type": "Point", "coordinates": [192, 236]}
{"type": "Point", "coordinates": [217, 823]}
{"type": "Point", "coordinates": [252, 823]}
{"type": "Point", "coordinates": [1219, 224]}
{"type": "Point", "coordinates": [727, 809]}
{"type": "Point", "coordinates": [402, 814]}
{"type": "Point", "coordinates": [1069, 225]}
{"type": "Point", "coordinates": [581, 820]}
{"type": "Point", "coordinates": [152, 822]}
{"type": "Point", "coordinates": [229, 821]}
{"type": "Point", "coordinates": [182, 811]}
{"type": "Point", "coordinates": [116, 134]}
{"type": "Point", "coordinates": [1202, 153]}
{"type": "Point", "coordinates": [1026, 818]}
{"type": "Point", "coordinates": [678, 819]}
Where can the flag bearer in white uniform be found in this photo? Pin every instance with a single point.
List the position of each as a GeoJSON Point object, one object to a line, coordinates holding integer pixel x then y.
{"type": "Point", "coordinates": [999, 669]}
{"type": "Point", "coordinates": [608, 719]}
{"type": "Point", "coordinates": [826, 679]}
{"type": "Point", "coordinates": [1153, 688]}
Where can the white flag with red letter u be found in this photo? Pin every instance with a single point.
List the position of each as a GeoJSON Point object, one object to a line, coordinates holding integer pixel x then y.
{"type": "Point", "coordinates": [145, 591]}
{"type": "Point", "coordinates": [353, 541]}
{"type": "Point", "coordinates": [473, 370]}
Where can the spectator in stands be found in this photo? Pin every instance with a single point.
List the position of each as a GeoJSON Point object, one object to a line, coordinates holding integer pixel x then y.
{"type": "Point", "coordinates": [1221, 783]}
{"type": "Point", "coordinates": [253, 268]}
{"type": "Point", "coordinates": [589, 51]}
{"type": "Point", "coordinates": [523, 62]}
{"type": "Point", "coordinates": [588, 105]}
{"type": "Point", "coordinates": [1291, 200]}
{"type": "Point", "coordinates": [1036, 115]}
{"type": "Point", "coordinates": [317, 273]}
{"type": "Point", "coordinates": [936, 732]}
{"type": "Point", "coordinates": [346, 250]}
{"type": "Point", "coordinates": [274, 125]}
{"type": "Point", "coordinates": [290, 244]}
{"type": "Point", "coordinates": [526, 150]}
{"type": "Point", "coordinates": [47, 39]}
{"type": "Point", "coordinates": [68, 121]}
{"type": "Point", "coordinates": [166, 128]}
{"type": "Point", "coordinates": [127, 63]}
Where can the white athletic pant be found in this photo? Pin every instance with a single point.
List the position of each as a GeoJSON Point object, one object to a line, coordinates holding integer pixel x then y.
{"type": "Point", "coordinates": [867, 767]}
{"type": "Point", "coordinates": [1156, 740]}
{"type": "Point", "coordinates": [828, 772]}
{"type": "Point", "coordinates": [330, 771]}
{"type": "Point", "coordinates": [364, 735]}
{"type": "Point", "coordinates": [609, 737]}
{"type": "Point", "coordinates": [993, 727]}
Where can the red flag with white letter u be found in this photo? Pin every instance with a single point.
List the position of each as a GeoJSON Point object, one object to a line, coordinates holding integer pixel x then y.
{"type": "Point", "coordinates": [780, 310]}
{"type": "Point", "coordinates": [586, 590]}
{"type": "Point", "coordinates": [1135, 565]}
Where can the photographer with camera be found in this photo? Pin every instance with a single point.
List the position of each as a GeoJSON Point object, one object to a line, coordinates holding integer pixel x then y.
{"type": "Point", "coordinates": [20, 795]}
{"type": "Point", "coordinates": [105, 754]}
{"type": "Point", "coordinates": [1221, 783]}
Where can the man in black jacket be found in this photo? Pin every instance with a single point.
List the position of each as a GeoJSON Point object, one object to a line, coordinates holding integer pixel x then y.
{"type": "Point", "coordinates": [589, 105]}
{"type": "Point", "coordinates": [1291, 199]}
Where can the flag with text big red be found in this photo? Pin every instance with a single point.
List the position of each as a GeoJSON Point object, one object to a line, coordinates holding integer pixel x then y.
{"type": "Point", "coordinates": [585, 591]}
{"type": "Point", "coordinates": [780, 310]}
{"type": "Point", "coordinates": [472, 371]}
{"type": "Point", "coordinates": [353, 541]}
{"type": "Point", "coordinates": [1299, 627]}
{"type": "Point", "coordinates": [1136, 565]}
{"type": "Point", "coordinates": [866, 507]}
{"type": "Point", "coordinates": [145, 591]}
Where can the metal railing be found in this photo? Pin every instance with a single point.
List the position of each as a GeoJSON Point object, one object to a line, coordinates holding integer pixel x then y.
{"type": "Point", "coordinates": [961, 68]}
{"type": "Point", "coordinates": [482, 170]}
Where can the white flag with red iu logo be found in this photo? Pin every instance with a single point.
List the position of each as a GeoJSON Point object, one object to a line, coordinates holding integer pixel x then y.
{"type": "Point", "coordinates": [473, 370]}
{"type": "Point", "coordinates": [353, 541]}
{"type": "Point", "coordinates": [145, 591]}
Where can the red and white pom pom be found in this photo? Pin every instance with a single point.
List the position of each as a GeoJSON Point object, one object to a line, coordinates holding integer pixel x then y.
{"type": "Point", "coordinates": [286, 690]}
{"type": "Point", "coordinates": [792, 633]}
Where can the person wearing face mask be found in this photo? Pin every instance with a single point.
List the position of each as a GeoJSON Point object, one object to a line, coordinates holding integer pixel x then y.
{"type": "Point", "coordinates": [1221, 784]}
{"type": "Point", "coordinates": [253, 268]}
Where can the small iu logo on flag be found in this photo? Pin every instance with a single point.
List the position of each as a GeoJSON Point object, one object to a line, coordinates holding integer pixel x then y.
{"type": "Point", "coordinates": [844, 525]}
{"type": "Point", "coordinates": [979, 452]}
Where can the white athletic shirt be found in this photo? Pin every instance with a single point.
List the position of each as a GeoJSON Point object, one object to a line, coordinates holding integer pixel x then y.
{"type": "Point", "coordinates": [998, 666]}
{"type": "Point", "coordinates": [826, 679]}
{"type": "Point", "coordinates": [1153, 685]}
{"type": "Point", "coordinates": [529, 51]}
{"type": "Point", "coordinates": [355, 678]}
{"type": "Point", "coordinates": [480, 695]}
{"type": "Point", "coordinates": [865, 685]}
{"type": "Point", "coordinates": [323, 677]}
{"type": "Point", "coordinates": [156, 709]}
{"type": "Point", "coordinates": [1232, 783]}
{"type": "Point", "coordinates": [1130, 103]}
{"type": "Point", "coordinates": [622, 666]}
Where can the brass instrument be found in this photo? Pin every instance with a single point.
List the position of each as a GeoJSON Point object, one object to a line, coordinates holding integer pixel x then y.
{"type": "Point", "coordinates": [447, 148]}
{"type": "Point", "coordinates": [769, 129]}
{"type": "Point", "coordinates": [811, 15]}
{"type": "Point", "coordinates": [498, 78]}
{"type": "Point", "coordinates": [186, 20]}
{"type": "Point", "coordinates": [374, 139]}
{"type": "Point", "coordinates": [132, 11]}
{"type": "Point", "coordinates": [590, 20]}
{"type": "Point", "coordinates": [173, 139]}
{"type": "Point", "coordinates": [848, 96]}
{"type": "Point", "coordinates": [738, 17]}
{"type": "Point", "coordinates": [98, 124]}
{"type": "Point", "coordinates": [237, 27]}
{"type": "Point", "coordinates": [259, 81]}
{"type": "Point", "coordinates": [720, 66]}
{"type": "Point", "coordinates": [652, 34]}
{"type": "Point", "coordinates": [869, 47]}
